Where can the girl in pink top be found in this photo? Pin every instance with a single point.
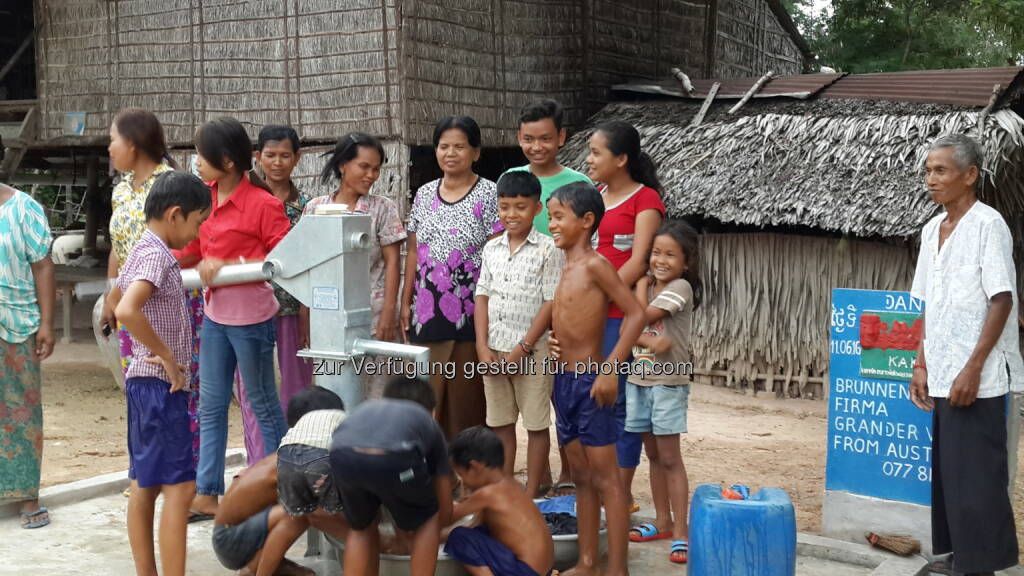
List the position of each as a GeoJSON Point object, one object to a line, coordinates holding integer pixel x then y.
{"type": "Point", "coordinates": [245, 224]}
{"type": "Point", "coordinates": [633, 213]}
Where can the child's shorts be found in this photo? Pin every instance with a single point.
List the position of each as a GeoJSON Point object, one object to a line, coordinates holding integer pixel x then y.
{"type": "Point", "coordinates": [159, 434]}
{"type": "Point", "coordinates": [236, 546]}
{"type": "Point", "coordinates": [577, 415]}
{"type": "Point", "coordinates": [660, 410]}
{"type": "Point", "coordinates": [475, 547]}
{"type": "Point", "coordinates": [305, 481]}
{"type": "Point", "coordinates": [529, 394]}
{"type": "Point", "coordinates": [397, 480]}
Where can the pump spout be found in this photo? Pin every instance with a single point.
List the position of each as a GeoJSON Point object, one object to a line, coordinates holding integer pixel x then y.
{"type": "Point", "coordinates": [419, 355]}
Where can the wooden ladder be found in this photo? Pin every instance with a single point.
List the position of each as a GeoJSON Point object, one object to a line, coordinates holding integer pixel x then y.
{"type": "Point", "coordinates": [18, 128]}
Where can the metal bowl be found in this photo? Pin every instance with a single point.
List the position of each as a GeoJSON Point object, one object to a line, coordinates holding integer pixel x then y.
{"type": "Point", "coordinates": [396, 565]}
{"type": "Point", "coordinates": [567, 549]}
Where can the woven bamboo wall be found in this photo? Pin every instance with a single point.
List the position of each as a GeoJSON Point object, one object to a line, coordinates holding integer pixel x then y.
{"type": "Point", "coordinates": [154, 49]}
{"type": "Point", "coordinates": [768, 298]}
{"type": "Point", "coordinates": [299, 62]}
{"type": "Point", "coordinates": [307, 173]}
{"type": "Point", "coordinates": [641, 40]}
{"type": "Point", "coordinates": [486, 59]}
{"type": "Point", "coordinates": [73, 59]}
{"type": "Point", "coordinates": [751, 41]}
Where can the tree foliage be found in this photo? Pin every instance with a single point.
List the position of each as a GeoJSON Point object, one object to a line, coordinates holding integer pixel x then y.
{"type": "Point", "coordinates": [887, 35]}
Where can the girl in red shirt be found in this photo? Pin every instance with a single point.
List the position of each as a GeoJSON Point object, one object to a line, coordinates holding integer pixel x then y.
{"type": "Point", "coordinates": [633, 213]}
{"type": "Point", "coordinates": [245, 224]}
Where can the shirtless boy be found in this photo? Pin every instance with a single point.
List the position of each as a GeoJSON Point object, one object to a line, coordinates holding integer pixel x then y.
{"type": "Point", "coordinates": [251, 530]}
{"type": "Point", "coordinates": [510, 537]}
{"type": "Point", "coordinates": [586, 384]}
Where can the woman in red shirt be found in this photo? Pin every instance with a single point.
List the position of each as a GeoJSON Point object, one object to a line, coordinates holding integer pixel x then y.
{"type": "Point", "coordinates": [244, 225]}
{"type": "Point", "coordinates": [633, 213]}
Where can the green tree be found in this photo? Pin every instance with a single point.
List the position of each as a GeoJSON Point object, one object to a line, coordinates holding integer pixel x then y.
{"type": "Point", "coordinates": [887, 35]}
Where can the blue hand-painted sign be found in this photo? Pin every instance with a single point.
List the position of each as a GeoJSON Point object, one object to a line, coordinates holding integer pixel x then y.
{"type": "Point", "coordinates": [879, 443]}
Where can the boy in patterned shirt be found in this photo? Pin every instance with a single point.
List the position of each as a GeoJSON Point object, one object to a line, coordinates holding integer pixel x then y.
{"type": "Point", "coordinates": [518, 275]}
{"type": "Point", "coordinates": [148, 300]}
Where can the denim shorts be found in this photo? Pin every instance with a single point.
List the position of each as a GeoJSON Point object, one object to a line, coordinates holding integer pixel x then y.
{"type": "Point", "coordinates": [305, 481]}
{"type": "Point", "coordinates": [660, 410]}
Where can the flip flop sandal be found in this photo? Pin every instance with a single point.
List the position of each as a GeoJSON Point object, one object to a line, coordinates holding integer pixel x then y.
{"type": "Point", "coordinates": [647, 532]}
{"type": "Point", "coordinates": [561, 486]}
{"type": "Point", "coordinates": [194, 517]}
{"type": "Point", "coordinates": [679, 552]}
{"type": "Point", "coordinates": [36, 519]}
{"type": "Point", "coordinates": [944, 566]}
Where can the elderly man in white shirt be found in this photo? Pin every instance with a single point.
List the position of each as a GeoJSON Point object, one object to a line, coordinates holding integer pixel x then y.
{"type": "Point", "coordinates": [968, 363]}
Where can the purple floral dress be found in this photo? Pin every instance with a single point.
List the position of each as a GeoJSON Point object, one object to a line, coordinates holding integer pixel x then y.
{"type": "Point", "coordinates": [450, 238]}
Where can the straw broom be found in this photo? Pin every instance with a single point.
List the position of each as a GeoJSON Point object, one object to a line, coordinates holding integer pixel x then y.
{"type": "Point", "coordinates": [897, 544]}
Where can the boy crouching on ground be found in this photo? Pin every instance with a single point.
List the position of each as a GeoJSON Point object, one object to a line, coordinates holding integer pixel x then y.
{"type": "Point", "coordinates": [510, 537]}
{"type": "Point", "coordinates": [391, 452]}
{"type": "Point", "coordinates": [518, 275]}
{"type": "Point", "coordinates": [586, 385]}
{"type": "Point", "coordinates": [305, 484]}
{"type": "Point", "coordinates": [149, 301]}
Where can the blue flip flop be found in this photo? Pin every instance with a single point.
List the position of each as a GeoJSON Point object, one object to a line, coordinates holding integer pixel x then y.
{"type": "Point", "coordinates": [679, 552]}
{"type": "Point", "coordinates": [647, 532]}
{"type": "Point", "coordinates": [36, 519]}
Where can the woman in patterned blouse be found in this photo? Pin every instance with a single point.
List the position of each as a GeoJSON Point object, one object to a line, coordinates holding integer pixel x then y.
{"type": "Point", "coordinates": [356, 163]}
{"type": "Point", "coordinates": [452, 218]}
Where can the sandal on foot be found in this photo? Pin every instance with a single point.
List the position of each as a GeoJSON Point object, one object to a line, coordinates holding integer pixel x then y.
{"type": "Point", "coordinates": [36, 519]}
{"type": "Point", "coordinates": [647, 532]}
{"type": "Point", "coordinates": [194, 516]}
{"type": "Point", "coordinates": [942, 566]}
{"type": "Point", "coordinates": [567, 489]}
{"type": "Point", "coordinates": [680, 550]}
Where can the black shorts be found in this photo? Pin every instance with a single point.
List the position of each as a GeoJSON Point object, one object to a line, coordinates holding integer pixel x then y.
{"type": "Point", "coordinates": [304, 480]}
{"type": "Point", "coordinates": [971, 513]}
{"type": "Point", "coordinates": [397, 480]}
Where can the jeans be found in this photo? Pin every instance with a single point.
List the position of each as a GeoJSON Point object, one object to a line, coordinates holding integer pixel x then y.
{"type": "Point", "coordinates": [251, 349]}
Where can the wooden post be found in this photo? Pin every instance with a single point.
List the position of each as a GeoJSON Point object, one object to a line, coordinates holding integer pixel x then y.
{"type": "Point", "coordinates": [92, 201]}
{"type": "Point", "coordinates": [996, 90]}
{"type": "Point", "coordinates": [707, 104]}
{"type": "Point", "coordinates": [711, 39]}
{"type": "Point", "coordinates": [753, 90]}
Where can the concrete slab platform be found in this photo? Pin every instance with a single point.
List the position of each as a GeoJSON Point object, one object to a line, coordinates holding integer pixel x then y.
{"type": "Point", "coordinates": [88, 536]}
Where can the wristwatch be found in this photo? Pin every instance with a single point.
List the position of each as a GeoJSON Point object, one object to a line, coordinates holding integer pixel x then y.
{"type": "Point", "coordinates": [527, 348]}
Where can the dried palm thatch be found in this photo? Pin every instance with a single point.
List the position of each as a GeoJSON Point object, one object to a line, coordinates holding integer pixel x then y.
{"type": "Point", "coordinates": [766, 308]}
{"type": "Point", "coordinates": [829, 166]}
{"type": "Point", "coordinates": [856, 174]}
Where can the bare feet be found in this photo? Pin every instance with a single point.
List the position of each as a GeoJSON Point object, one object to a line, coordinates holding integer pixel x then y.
{"type": "Point", "coordinates": [204, 504]}
{"type": "Point", "coordinates": [289, 568]}
{"type": "Point", "coordinates": [578, 570]}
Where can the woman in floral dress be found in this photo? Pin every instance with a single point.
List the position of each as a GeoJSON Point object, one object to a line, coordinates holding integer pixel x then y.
{"type": "Point", "coordinates": [139, 151]}
{"type": "Point", "coordinates": [452, 218]}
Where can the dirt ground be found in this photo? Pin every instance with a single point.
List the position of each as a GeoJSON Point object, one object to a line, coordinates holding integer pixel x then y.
{"type": "Point", "coordinates": [733, 438]}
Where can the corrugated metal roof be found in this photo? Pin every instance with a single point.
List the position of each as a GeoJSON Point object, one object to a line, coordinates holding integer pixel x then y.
{"type": "Point", "coordinates": [799, 86]}
{"type": "Point", "coordinates": [966, 86]}
{"type": "Point", "coordinates": [963, 87]}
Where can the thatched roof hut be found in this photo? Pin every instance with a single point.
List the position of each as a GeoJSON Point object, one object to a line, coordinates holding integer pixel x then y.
{"type": "Point", "coordinates": [818, 190]}
{"type": "Point", "coordinates": [388, 67]}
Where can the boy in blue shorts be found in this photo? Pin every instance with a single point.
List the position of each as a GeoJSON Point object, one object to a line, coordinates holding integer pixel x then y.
{"type": "Point", "coordinates": [586, 383]}
{"type": "Point", "coordinates": [149, 300]}
{"type": "Point", "coordinates": [541, 135]}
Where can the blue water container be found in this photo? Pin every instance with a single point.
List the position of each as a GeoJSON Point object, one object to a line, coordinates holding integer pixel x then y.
{"type": "Point", "coordinates": [750, 537]}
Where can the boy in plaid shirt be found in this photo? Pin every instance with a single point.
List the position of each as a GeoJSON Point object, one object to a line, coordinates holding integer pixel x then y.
{"type": "Point", "coordinates": [149, 301]}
